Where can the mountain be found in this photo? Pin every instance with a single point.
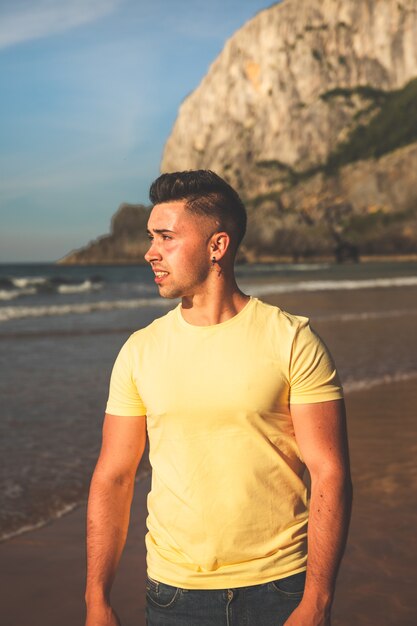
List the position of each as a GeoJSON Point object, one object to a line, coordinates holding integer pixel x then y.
{"type": "Point", "coordinates": [310, 111]}
{"type": "Point", "coordinates": [126, 243]}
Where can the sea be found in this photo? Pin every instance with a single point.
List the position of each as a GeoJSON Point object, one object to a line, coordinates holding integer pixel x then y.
{"type": "Point", "coordinates": [61, 328]}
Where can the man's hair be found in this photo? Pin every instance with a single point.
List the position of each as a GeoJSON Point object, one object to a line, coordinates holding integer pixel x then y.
{"type": "Point", "coordinates": [204, 193]}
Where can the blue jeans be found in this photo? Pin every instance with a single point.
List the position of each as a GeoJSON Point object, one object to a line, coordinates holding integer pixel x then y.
{"type": "Point", "coordinates": [269, 604]}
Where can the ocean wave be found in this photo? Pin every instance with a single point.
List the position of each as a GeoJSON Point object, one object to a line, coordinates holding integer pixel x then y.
{"type": "Point", "coordinates": [11, 294]}
{"type": "Point", "coordinates": [364, 315]}
{"type": "Point", "coordinates": [16, 286]}
{"type": "Point", "coordinates": [67, 508]}
{"type": "Point", "coordinates": [87, 285]}
{"type": "Point", "coordinates": [281, 267]}
{"type": "Point", "coordinates": [23, 282]}
{"type": "Point", "coordinates": [60, 512]}
{"type": "Point", "coordinates": [351, 386]}
{"type": "Point", "coordinates": [19, 312]}
{"type": "Point", "coordinates": [332, 285]}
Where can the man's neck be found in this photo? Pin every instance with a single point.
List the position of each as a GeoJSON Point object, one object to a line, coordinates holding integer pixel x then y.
{"type": "Point", "coordinates": [214, 306]}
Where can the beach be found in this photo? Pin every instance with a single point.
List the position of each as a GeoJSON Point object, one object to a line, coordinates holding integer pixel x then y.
{"type": "Point", "coordinates": [370, 329]}
{"type": "Point", "coordinates": [42, 573]}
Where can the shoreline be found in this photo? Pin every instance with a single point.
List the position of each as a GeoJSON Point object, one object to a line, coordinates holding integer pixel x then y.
{"type": "Point", "coordinates": [261, 260]}
{"type": "Point", "coordinates": [143, 474]}
{"type": "Point", "coordinates": [46, 566]}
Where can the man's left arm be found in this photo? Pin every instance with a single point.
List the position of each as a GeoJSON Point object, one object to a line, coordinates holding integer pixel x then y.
{"type": "Point", "coordinates": [320, 431]}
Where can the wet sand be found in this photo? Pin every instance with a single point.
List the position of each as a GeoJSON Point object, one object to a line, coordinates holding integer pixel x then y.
{"type": "Point", "coordinates": [378, 578]}
{"type": "Point", "coordinates": [42, 572]}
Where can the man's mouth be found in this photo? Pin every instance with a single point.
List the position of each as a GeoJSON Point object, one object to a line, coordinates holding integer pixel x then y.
{"type": "Point", "coordinates": [159, 275]}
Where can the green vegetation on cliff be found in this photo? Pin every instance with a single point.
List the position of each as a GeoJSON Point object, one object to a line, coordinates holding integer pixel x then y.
{"type": "Point", "coordinates": [377, 226]}
{"type": "Point", "coordinates": [392, 127]}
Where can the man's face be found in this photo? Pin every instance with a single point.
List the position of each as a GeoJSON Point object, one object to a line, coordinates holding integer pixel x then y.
{"type": "Point", "coordinates": [179, 253]}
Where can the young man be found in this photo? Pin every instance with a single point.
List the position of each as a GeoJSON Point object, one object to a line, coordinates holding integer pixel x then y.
{"type": "Point", "coordinates": [237, 397]}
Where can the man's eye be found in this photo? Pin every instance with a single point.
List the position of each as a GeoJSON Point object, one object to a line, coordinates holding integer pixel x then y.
{"type": "Point", "coordinates": [165, 237]}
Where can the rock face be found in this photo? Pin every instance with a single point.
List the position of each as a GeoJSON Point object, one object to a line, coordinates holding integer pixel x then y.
{"type": "Point", "coordinates": [367, 208]}
{"type": "Point", "coordinates": [264, 97]}
{"type": "Point", "coordinates": [310, 112]}
{"type": "Point", "coordinates": [289, 89]}
{"type": "Point", "coordinates": [127, 242]}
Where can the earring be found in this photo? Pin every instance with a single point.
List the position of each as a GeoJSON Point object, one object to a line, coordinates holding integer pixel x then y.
{"type": "Point", "coordinates": [213, 260]}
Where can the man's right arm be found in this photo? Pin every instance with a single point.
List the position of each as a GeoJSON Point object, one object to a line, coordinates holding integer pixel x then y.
{"type": "Point", "coordinates": [108, 512]}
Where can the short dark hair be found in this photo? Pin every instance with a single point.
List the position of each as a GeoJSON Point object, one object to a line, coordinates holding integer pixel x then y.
{"type": "Point", "coordinates": [204, 193]}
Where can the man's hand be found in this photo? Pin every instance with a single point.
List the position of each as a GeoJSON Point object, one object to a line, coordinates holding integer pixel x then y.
{"type": "Point", "coordinates": [102, 615]}
{"type": "Point", "coordinates": [307, 615]}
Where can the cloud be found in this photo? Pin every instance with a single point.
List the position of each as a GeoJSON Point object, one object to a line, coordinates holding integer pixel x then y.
{"type": "Point", "coordinates": [23, 20]}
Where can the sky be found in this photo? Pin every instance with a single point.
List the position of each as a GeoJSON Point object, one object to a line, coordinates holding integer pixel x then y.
{"type": "Point", "coordinates": [90, 90]}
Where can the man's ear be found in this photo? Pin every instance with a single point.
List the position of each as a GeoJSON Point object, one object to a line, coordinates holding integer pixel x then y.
{"type": "Point", "coordinates": [220, 243]}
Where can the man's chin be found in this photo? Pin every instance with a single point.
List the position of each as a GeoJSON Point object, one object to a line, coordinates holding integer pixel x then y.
{"type": "Point", "coordinates": [168, 294]}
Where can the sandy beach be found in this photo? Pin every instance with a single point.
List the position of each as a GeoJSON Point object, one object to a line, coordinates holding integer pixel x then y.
{"type": "Point", "coordinates": [42, 572]}
{"type": "Point", "coordinates": [378, 577]}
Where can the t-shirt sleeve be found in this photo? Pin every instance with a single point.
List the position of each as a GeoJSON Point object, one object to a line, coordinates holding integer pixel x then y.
{"type": "Point", "coordinates": [124, 398]}
{"type": "Point", "coordinates": [313, 375]}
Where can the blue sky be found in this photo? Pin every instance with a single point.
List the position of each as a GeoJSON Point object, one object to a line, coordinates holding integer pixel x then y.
{"type": "Point", "coordinates": [89, 92]}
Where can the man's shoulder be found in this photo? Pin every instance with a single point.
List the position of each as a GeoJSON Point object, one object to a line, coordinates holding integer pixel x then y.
{"type": "Point", "coordinates": [273, 314]}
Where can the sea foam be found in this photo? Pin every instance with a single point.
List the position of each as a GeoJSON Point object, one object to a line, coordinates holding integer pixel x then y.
{"type": "Point", "coordinates": [333, 285]}
{"type": "Point", "coordinates": [20, 312]}
{"type": "Point", "coordinates": [81, 308]}
{"type": "Point", "coordinates": [351, 386]}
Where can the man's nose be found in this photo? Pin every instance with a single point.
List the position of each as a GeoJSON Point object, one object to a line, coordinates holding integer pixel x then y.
{"type": "Point", "coordinates": [153, 253]}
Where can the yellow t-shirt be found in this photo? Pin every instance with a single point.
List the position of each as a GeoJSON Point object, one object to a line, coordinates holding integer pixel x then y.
{"type": "Point", "coordinates": [228, 505]}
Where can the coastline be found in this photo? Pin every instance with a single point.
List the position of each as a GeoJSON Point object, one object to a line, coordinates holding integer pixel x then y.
{"type": "Point", "coordinates": [250, 260]}
{"type": "Point", "coordinates": [42, 577]}
{"type": "Point", "coordinates": [46, 567]}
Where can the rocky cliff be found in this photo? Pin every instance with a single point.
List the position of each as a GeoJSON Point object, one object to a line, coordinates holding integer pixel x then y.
{"type": "Point", "coordinates": [310, 111]}
{"type": "Point", "coordinates": [268, 96]}
{"type": "Point", "coordinates": [306, 111]}
{"type": "Point", "coordinates": [126, 243]}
